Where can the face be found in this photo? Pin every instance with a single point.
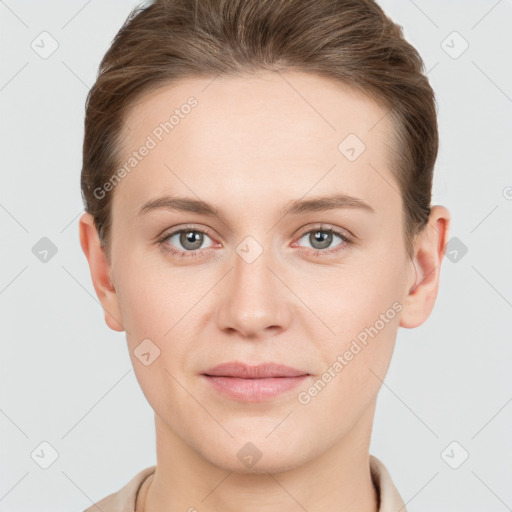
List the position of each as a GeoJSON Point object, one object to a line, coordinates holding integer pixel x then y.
{"type": "Point", "coordinates": [270, 274]}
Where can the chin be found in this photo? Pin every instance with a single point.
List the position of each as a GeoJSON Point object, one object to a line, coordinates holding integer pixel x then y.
{"type": "Point", "coordinates": [257, 454]}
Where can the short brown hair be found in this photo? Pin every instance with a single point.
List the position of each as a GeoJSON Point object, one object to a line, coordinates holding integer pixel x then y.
{"type": "Point", "coordinates": [352, 41]}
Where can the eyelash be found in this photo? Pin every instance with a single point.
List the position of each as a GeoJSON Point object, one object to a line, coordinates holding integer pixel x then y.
{"type": "Point", "coordinates": [347, 240]}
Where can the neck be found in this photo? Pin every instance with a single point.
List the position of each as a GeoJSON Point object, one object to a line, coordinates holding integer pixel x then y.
{"type": "Point", "coordinates": [338, 479]}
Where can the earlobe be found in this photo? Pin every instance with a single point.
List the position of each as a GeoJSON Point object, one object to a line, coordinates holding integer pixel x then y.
{"type": "Point", "coordinates": [100, 269]}
{"type": "Point", "coordinates": [429, 251]}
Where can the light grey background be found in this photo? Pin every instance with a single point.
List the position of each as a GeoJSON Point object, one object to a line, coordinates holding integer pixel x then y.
{"type": "Point", "coordinates": [66, 379]}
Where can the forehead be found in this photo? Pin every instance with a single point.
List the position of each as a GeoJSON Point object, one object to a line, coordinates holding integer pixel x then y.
{"type": "Point", "coordinates": [285, 131]}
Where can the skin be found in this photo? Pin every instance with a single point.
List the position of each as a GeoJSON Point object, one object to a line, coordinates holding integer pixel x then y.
{"type": "Point", "coordinates": [252, 145]}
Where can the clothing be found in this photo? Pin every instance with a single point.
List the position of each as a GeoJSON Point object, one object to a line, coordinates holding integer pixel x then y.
{"type": "Point", "coordinates": [124, 500]}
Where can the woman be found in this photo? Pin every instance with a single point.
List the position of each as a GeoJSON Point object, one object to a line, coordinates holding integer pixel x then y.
{"type": "Point", "coordinates": [257, 180]}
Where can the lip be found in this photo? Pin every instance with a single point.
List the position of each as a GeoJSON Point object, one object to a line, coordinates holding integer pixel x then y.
{"type": "Point", "coordinates": [260, 371]}
{"type": "Point", "coordinates": [248, 383]}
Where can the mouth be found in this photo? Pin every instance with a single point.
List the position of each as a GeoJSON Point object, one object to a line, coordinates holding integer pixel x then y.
{"type": "Point", "coordinates": [247, 383]}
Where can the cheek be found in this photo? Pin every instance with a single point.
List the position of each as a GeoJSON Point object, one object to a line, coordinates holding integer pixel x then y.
{"type": "Point", "coordinates": [355, 362]}
{"type": "Point", "coordinates": [151, 297]}
{"type": "Point", "coordinates": [152, 307]}
{"type": "Point", "coordinates": [354, 296]}
{"type": "Point", "coordinates": [363, 310]}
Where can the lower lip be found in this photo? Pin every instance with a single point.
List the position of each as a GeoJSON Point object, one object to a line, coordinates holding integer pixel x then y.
{"type": "Point", "coordinates": [254, 390]}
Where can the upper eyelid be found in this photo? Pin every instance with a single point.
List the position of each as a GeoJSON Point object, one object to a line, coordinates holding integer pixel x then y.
{"type": "Point", "coordinates": [167, 234]}
{"type": "Point", "coordinates": [323, 227]}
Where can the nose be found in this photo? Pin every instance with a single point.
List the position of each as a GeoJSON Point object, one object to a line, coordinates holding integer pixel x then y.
{"type": "Point", "coordinates": [254, 302]}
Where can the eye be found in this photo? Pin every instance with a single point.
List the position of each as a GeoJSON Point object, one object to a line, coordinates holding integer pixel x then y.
{"type": "Point", "coordinates": [184, 242]}
{"type": "Point", "coordinates": [322, 238]}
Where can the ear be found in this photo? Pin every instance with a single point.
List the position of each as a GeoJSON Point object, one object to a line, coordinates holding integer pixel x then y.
{"type": "Point", "coordinates": [101, 272]}
{"type": "Point", "coordinates": [429, 249]}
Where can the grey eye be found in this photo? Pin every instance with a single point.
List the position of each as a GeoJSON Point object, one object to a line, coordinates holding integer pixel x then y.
{"type": "Point", "coordinates": [321, 238]}
{"type": "Point", "coordinates": [189, 239]}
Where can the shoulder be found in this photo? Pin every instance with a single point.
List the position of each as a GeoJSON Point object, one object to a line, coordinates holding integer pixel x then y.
{"type": "Point", "coordinates": [390, 499]}
{"type": "Point", "coordinates": [124, 499]}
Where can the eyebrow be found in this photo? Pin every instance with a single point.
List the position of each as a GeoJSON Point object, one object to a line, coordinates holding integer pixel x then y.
{"type": "Point", "coordinates": [295, 207]}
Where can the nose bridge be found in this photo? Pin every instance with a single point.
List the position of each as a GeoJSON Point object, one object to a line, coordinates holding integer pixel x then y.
{"type": "Point", "coordinates": [253, 300]}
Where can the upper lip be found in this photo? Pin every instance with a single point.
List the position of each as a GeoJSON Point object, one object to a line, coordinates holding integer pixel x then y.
{"type": "Point", "coordinates": [260, 371]}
